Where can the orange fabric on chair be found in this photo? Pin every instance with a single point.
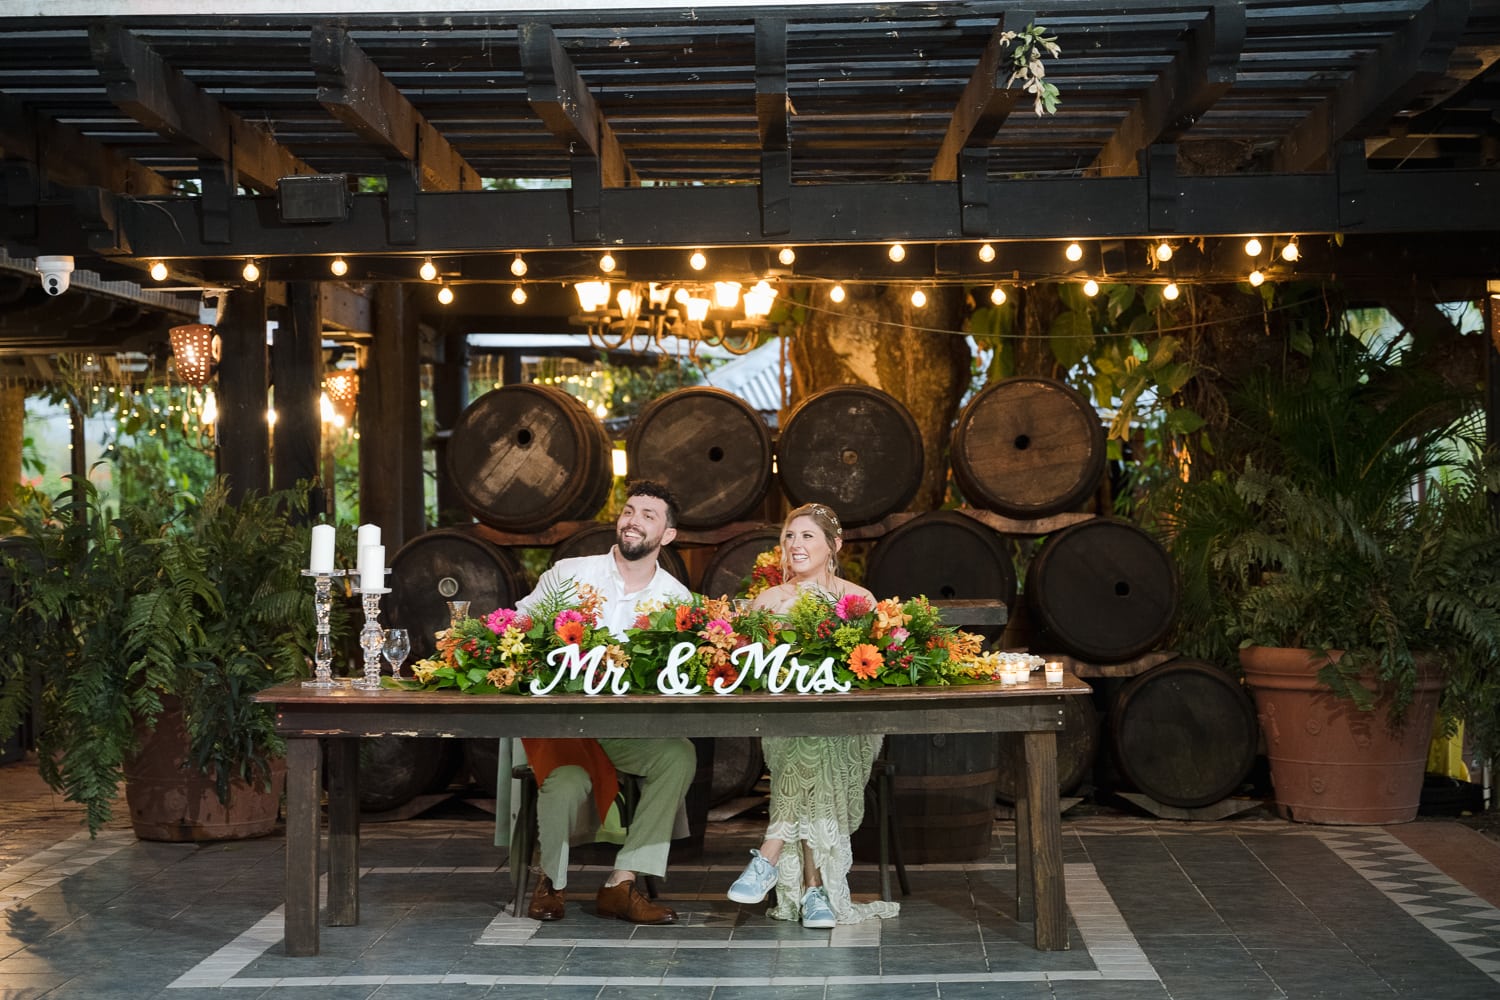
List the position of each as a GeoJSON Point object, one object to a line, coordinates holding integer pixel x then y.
{"type": "Point", "coordinates": [544, 754]}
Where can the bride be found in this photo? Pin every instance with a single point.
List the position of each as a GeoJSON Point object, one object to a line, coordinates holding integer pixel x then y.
{"type": "Point", "coordinates": [817, 783]}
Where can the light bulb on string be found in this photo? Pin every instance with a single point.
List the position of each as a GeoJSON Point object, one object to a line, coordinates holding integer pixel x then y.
{"type": "Point", "coordinates": [787, 256]}
{"type": "Point", "coordinates": [428, 270]}
{"type": "Point", "coordinates": [1252, 247]}
{"type": "Point", "coordinates": [1163, 251]}
{"type": "Point", "coordinates": [986, 253]}
{"type": "Point", "coordinates": [697, 261]}
{"type": "Point", "coordinates": [445, 295]}
{"type": "Point", "coordinates": [518, 295]}
{"type": "Point", "coordinates": [1091, 288]}
{"type": "Point", "coordinates": [251, 272]}
{"type": "Point", "coordinates": [607, 263]}
{"type": "Point", "coordinates": [518, 266]}
{"type": "Point", "coordinates": [1257, 279]}
{"type": "Point", "coordinates": [918, 298]}
{"type": "Point", "coordinates": [836, 293]}
{"type": "Point", "coordinates": [1291, 252]}
{"type": "Point", "coordinates": [997, 295]}
{"type": "Point", "coordinates": [1171, 292]}
{"type": "Point", "coordinates": [1074, 252]}
{"type": "Point", "coordinates": [897, 253]}
{"type": "Point", "coordinates": [159, 271]}
{"type": "Point", "coordinates": [339, 266]}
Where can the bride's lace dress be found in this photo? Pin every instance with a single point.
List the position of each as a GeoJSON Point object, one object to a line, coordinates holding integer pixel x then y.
{"type": "Point", "coordinates": [818, 797]}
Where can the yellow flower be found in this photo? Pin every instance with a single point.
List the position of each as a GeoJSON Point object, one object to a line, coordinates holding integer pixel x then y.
{"type": "Point", "coordinates": [617, 656]}
{"type": "Point", "coordinates": [501, 677]}
{"type": "Point", "coordinates": [650, 607]}
{"type": "Point", "coordinates": [512, 643]}
{"type": "Point", "coordinates": [423, 670]}
{"type": "Point", "coordinates": [715, 607]}
{"type": "Point", "coordinates": [888, 615]}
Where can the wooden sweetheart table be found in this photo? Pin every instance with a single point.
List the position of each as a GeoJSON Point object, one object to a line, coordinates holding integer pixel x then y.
{"type": "Point", "coordinates": [311, 720]}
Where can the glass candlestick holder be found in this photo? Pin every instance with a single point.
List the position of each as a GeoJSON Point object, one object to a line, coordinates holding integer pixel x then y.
{"type": "Point", "coordinates": [371, 638]}
{"type": "Point", "coordinates": [323, 643]}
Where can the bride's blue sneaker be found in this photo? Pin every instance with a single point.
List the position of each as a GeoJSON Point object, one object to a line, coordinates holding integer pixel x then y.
{"type": "Point", "coordinates": [758, 879]}
{"type": "Point", "coordinates": [817, 914]}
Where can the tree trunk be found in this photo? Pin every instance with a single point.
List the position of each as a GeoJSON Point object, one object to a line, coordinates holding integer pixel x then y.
{"type": "Point", "coordinates": [919, 356]}
{"type": "Point", "coordinates": [12, 430]}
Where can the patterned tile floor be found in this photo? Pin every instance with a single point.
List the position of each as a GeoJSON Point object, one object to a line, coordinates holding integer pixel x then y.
{"type": "Point", "coordinates": [1240, 910]}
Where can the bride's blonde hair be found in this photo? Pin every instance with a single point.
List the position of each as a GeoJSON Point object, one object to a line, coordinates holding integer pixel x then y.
{"type": "Point", "coordinates": [828, 522]}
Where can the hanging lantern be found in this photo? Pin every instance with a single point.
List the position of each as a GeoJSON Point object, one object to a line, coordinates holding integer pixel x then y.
{"type": "Point", "coordinates": [195, 351]}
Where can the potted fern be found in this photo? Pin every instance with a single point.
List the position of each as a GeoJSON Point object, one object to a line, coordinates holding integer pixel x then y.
{"type": "Point", "coordinates": [1350, 561]}
{"type": "Point", "coordinates": [147, 632]}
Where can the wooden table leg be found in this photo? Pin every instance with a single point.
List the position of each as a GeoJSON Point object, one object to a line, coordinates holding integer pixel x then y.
{"type": "Point", "coordinates": [343, 832]}
{"type": "Point", "coordinates": [1025, 887]}
{"type": "Point", "coordinates": [304, 765]}
{"type": "Point", "coordinates": [1044, 831]}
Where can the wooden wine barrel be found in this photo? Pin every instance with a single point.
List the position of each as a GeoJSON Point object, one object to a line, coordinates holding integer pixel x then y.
{"type": "Point", "coordinates": [1028, 447]}
{"type": "Point", "coordinates": [393, 770]}
{"type": "Point", "coordinates": [524, 456]}
{"type": "Point", "coordinates": [1077, 746]}
{"type": "Point", "coordinates": [597, 538]}
{"type": "Point", "coordinates": [738, 767]}
{"type": "Point", "coordinates": [1103, 590]}
{"type": "Point", "coordinates": [449, 564]}
{"type": "Point", "coordinates": [709, 447]}
{"type": "Point", "coordinates": [853, 448]}
{"type": "Point", "coordinates": [1184, 733]}
{"type": "Point", "coordinates": [482, 762]}
{"type": "Point", "coordinates": [733, 560]}
{"type": "Point", "coordinates": [943, 555]}
{"type": "Point", "coordinates": [943, 798]}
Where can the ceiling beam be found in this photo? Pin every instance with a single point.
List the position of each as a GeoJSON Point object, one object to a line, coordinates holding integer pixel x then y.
{"type": "Point", "coordinates": [65, 155]}
{"type": "Point", "coordinates": [357, 93]}
{"type": "Point", "coordinates": [561, 98]}
{"type": "Point", "coordinates": [984, 105]}
{"type": "Point", "coordinates": [1200, 73]}
{"type": "Point", "coordinates": [1407, 61]}
{"type": "Point", "coordinates": [773, 111]}
{"type": "Point", "coordinates": [155, 94]}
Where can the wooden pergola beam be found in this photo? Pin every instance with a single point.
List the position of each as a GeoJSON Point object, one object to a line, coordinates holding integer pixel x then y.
{"type": "Point", "coordinates": [985, 103]}
{"type": "Point", "coordinates": [65, 155]}
{"type": "Point", "coordinates": [155, 94]}
{"type": "Point", "coordinates": [773, 111]}
{"type": "Point", "coordinates": [1200, 73]}
{"type": "Point", "coordinates": [1407, 61]}
{"type": "Point", "coordinates": [357, 93]}
{"type": "Point", "coordinates": [561, 98]}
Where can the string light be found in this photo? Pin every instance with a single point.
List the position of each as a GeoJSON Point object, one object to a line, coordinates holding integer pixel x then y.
{"type": "Point", "coordinates": [986, 253]}
{"type": "Point", "coordinates": [697, 261]}
{"type": "Point", "coordinates": [1252, 247]}
{"type": "Point", "coordinates": [251, 272]}
{"type": "Point", "coordinates": [518, 266]}
{"type": "Point", "coordinates": [607, 263]}
{"type": "Point", "coordinates": [428, 270]}
{"type": "Point", "coordinates": [1257, 279]}
{"type": "Point", "coordinates": [836, 293]}
{"type": "Point", "coordinates": [1291, 251]}
{"type": "Point", "coordinates": [896, 253]}
{"type": "Point", "coordinates": [918, 298]}
{"type": "Point", "coordinates": [518, 295]}
{"type": "Point", "coordinates": [1171, 292]}
{"type": "Point", "coordinates": [1091, 288]}
{"type": "Point", "coordinates": [997, 295]}
{"type": "Point", "coordinates": [1163, 251]}
{"type": "Point", "coordinates": [1074, 252]}
{"type": "Point", "coordinates": [445, 295]}
{"type": "Point", "coordinates": [339, 266]}
{"type": "Point", "coordinates": [158, 271]}
{"type": "Point", "coordinates": [787, 256]}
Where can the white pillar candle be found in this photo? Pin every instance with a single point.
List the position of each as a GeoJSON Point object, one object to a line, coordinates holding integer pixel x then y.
{"type": "Point", "coordinates": [372, 567]}
{"type": "Point", "coordinates": [321, 560]}
{"type": "Point", "coordinates": [369, 534]}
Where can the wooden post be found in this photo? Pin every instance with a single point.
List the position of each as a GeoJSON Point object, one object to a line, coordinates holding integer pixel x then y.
{"type": "Point", "coordinates": [450, 394]}
{"type": "Point", "coordinates": [244, 441]}
{"type": "Point", "coordinates": [390, 423]}
{"type": "Point", "coordinates": [297, 373]}
{"type": "Point", "coordinates": [343, 832]}
{"type": "Point", "coordinates": [304, 765]}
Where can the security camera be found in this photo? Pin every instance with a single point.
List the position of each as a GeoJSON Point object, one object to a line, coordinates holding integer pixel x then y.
{"type": "Point", "coordinates": [56, 272]}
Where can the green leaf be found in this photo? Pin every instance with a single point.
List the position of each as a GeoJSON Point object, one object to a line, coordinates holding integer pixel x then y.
{"type": "Point", "coordinates": [1071, 337]}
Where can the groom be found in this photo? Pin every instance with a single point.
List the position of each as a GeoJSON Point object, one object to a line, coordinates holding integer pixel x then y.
{"type": "Point", "coordinates": [569, 771]}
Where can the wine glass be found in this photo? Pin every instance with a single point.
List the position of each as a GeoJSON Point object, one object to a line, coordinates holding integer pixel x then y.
{"type": "Point", "coordinates": [396, 647]}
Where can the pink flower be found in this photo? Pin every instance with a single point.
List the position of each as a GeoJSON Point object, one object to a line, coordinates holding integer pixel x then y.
{"type": "Point", "coordinates": [720, 633]}
{"type": "Point", "coordinates": [563, 617]}
{"type": "Point", "coordinates": [898, 636]}
{"type": "Point", "coordinates": [851, 606]}
{"type": "Point", "coordinates": [500, 619]}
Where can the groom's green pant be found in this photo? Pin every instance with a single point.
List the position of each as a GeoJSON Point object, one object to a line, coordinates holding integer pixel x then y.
{"type": "Point", "coordinates": [665, 767]}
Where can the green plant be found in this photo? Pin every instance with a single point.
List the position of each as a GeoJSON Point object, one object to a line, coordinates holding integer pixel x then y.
{"type": "Point", "coordinates": [178, 596]}
{"type": "Point", "coordinates": [1356, 518]}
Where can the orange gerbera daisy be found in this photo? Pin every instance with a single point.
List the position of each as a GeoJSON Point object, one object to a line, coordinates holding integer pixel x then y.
{"type": "Point", "coordinates": [571, 633]}
{"type": "Point", "coordinates": [865, 660]}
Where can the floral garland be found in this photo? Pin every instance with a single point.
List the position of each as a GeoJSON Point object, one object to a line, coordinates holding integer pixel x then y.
{"type": "Point", "coordinates": [765, 574]}
{"type": "Point", "coordinates": [861, 643]}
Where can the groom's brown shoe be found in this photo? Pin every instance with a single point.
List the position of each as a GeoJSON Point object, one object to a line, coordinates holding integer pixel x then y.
{"type": "Point", "coordinates": [546, 902]}
{"type": "Point", "coordinates": [625, 902]}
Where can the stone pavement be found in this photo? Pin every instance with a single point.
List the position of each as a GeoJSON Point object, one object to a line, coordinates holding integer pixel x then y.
{"type": "Point", "coordinates": [1249, 909]}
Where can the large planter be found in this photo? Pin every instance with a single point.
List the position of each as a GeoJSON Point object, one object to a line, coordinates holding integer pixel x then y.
{"type": "Point", "coordinates": [171, 800]}
{"type": "Point", "coordinates": [1330, 762]}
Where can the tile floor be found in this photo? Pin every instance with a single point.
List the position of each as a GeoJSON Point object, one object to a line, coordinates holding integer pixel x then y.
{"type": "Point", "coordinates": [1251, 909]}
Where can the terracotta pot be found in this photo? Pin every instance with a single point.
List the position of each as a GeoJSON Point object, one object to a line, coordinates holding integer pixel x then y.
{"type": "Point", "coordinates": [171, 800]}
{"type": "Point", "coordinates": [1330, 762]}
